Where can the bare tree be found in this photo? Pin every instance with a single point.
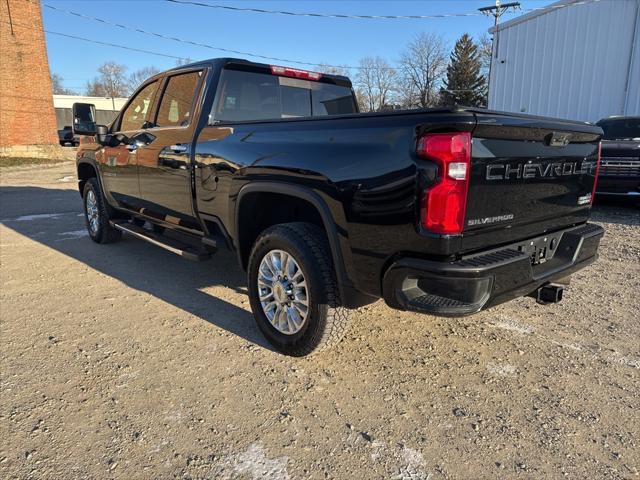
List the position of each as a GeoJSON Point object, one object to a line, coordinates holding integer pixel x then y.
{"type": "Point", "coordinates": [139, 76]}
{"type": "Point", "coordinates": [57, 83]}
{"type": "Point", "coordinates": [183, 61]}
{"type": "Point", "coordinates": [333, 70]}
{"type": "Point", "coordinates": [376, 83]}
{"type": "Point", "coordinates": [485, 49]}
{"type": "Point", "coordinates": [95, 88]}
{"type": "Point", "coordinates": [407, 94]}
{"type": "Point", "coordinates": [110, 83]}
{"type": "Point", "coordinates": [423, 66]}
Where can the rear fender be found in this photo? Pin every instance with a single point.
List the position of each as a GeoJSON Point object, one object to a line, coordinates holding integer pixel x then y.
{"type": "Point", "coordinates": [336, 235]}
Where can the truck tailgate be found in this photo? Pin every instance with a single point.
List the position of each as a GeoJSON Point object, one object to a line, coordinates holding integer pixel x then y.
{"type": "Point", "coordinates": [529, 175]}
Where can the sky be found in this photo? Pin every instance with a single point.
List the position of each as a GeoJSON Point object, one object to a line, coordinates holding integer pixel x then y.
{"type": "Point", "coordinates": [308, 39]}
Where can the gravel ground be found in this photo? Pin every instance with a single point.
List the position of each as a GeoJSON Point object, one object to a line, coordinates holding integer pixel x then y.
{"type": "Point", "coordinates": [124, 361]}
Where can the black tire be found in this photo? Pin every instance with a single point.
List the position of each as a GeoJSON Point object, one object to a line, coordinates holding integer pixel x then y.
{"type": "Point", "coordinates": [104, 232]}
{"type": "Point", "coordinates": [326, 321]}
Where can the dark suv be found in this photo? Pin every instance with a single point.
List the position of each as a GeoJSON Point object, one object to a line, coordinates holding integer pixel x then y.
{"type": "Point", "coordinates": [67, 137]}
{"type": "Point", "coordinates": [620, 168]}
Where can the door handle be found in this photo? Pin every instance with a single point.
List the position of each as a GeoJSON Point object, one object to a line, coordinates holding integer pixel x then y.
{"type": "Point", "coordinates": [178, 148]}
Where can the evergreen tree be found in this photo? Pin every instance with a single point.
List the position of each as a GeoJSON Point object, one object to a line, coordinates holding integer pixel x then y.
{"type": "Point", "coordinates": [465, 85]}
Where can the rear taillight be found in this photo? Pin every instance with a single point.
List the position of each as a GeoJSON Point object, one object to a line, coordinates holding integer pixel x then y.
{"type": "Point", "coordinates": [444, 203]}
{"type": "Point", "coordinates": [295, 73]}
{"type": "Point", "coordinates": [595, 177]}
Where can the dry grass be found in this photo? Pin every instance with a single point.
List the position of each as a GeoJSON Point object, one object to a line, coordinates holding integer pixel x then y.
{"type": "Point", "coordinates": [6, 162]}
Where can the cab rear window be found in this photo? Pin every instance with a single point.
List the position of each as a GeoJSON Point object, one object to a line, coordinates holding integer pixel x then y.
{"type": "Point", "coordinates": [250, 96]}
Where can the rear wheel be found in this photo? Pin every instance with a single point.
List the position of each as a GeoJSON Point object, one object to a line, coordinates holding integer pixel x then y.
{"type": "Point", "coordinates": [97, 214]}
{"type": "Point", "coordinates": [293, 292]}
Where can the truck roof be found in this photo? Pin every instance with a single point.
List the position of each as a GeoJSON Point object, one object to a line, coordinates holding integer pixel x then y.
{"type": "Point", "coordinates": [224, 61]}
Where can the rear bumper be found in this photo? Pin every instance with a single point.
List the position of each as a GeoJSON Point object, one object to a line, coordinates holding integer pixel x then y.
{"type": "Point", "coordinates": [489, 278]}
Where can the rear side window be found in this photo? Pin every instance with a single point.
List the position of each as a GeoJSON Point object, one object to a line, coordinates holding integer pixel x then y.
{"type": "Point", "coordinates": [178, 99]}
{"type": "Point", "coordinates": [248, 96]}
{"type": "Point", "coordinates": [135, 114]}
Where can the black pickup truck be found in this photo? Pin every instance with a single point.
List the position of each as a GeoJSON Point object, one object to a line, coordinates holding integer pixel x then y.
{"type": "Point", "coordinates": [620, 169]}
{"type": "Point", "coordinates": [441, 211]}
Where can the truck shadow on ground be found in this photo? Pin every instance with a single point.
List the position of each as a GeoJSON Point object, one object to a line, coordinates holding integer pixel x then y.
{"type": "Point", "coordinates": [53, 218]}
{"type": "Point", "coordinates": [622, 211]}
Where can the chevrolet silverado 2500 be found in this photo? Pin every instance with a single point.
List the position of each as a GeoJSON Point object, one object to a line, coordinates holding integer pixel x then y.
{"type": "Point", "coordinates": [442, 211]}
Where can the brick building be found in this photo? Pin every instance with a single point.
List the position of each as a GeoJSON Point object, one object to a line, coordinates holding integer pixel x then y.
{"type": "Point", "coordinates": [27, 117]}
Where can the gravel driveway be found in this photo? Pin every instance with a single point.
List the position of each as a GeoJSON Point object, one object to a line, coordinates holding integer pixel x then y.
{"type": "Point", "coordinates": [124, 361]}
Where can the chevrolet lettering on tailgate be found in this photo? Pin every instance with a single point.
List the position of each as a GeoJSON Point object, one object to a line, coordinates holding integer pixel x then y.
{"type": "Point", "coordinates": [507, 171]}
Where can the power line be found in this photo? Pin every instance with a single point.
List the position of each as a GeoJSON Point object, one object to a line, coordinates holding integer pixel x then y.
{"type": "Point", "coordinates": [191, 42]}
{"type": "Point", "coordinates": [324, 15]}
{"type": "Point", "coordinates": [360, 17]}
{"type": "Point", "coordinates": [108, 44]}
{"type": "Point", "coordinates": [75, 37]}
{"type": "Point", "coordinates": [239, 52]}
{"type": "Point", "coordinates": [197, 44]}
{"type": "Point", "coordinates": [496, 11]}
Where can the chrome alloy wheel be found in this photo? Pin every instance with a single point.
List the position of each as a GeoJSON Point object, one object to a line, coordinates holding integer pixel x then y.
{"type": "Point", "coordinates": [283, 292]}
{"type": "Point", "coordinates": [91, 207]}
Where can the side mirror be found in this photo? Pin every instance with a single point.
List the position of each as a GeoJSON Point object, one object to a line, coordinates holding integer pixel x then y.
{"type": "Point", "coordinates": [84, 119]}
{"type": "Point", "coordinates": [102, 132]}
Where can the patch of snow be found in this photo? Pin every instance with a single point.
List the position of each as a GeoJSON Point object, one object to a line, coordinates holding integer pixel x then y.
{"type": "Point", "coordinates": [254, 464]}
{"type": "Point", "coordinates": [411, 462]}
{"type": "Point", "coordinates": [505, 370]}
{"type": "Point", "coordinates": [378, 450]}
{"type": "Point", "coordinates": [616, 357]}
{"type": "Point", "coordinates": [74, 234]}
{"type": "Point", "coordinates": [514, 327]}
{"type": "Point", "coordinates": [413, 465]}
{"type": "Point", "coordinates": [570, 346]}
{"type": "Point", "coordinates": [30, 218]}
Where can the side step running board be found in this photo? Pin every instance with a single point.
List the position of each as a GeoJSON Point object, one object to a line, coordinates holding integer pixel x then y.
{"type": "Point", "coordinates": [175, 246]}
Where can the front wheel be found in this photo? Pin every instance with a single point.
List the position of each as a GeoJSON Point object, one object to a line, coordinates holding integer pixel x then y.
{"type": "Point", "coordinates": [97, 214]}
{"type": "Point", "coordinates": [293, 292]}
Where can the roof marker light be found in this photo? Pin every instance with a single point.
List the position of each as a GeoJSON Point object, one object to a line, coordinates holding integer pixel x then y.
{"type": "Point", "coordinates": [295, 73]}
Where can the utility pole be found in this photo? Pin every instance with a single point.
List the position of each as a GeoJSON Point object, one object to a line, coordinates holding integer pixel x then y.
{"type": "Point", "coordinates": [496, 11]}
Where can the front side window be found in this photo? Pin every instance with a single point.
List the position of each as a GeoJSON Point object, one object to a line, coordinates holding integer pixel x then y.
{"type": "Point", "coordinates": [135, 114]}
{"type": "Point", "coordinates": [176, 105]}
{"type": "Point", "coordinates": [250, 96]}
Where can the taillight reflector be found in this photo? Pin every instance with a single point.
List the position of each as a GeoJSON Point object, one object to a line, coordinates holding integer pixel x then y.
{"type": "Point", "coordinates": [295, 73]}
{"type": "Point", "coordinates": [595, 178]}
{"type": "Point", "coordinates": [444, 204]}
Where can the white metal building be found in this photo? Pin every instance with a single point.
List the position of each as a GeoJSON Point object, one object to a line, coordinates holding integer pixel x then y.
{"type": "Point", "coordinates": [579, 60]}
{"type": "Point", "coordinates": [101, 103]}
{"type": "Point", "coordinates": [106, 108]}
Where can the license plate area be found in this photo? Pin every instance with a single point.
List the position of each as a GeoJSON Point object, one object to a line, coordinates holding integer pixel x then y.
{"type": "Point", "coordinates": [541, 249]}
